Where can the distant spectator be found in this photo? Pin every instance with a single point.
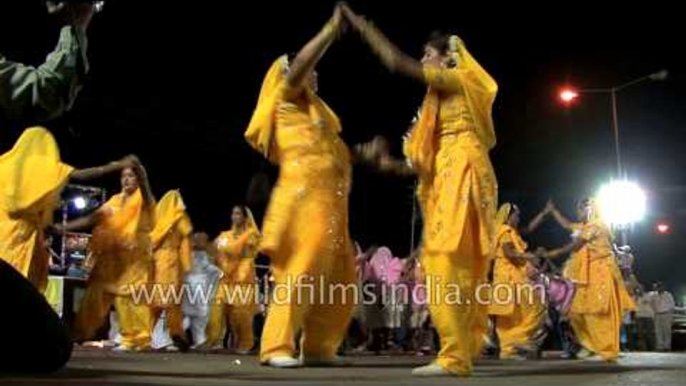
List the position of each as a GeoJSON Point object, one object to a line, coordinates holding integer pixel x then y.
{"type": "Point", "coordinates": [645, 320]}
{"type": "Point", "coordinates": [663, 305]}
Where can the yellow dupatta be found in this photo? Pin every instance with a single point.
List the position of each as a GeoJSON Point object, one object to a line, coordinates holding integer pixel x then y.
{"type": "Point", "coordinates": [250, 222]}
{"type": "Point", "coordinates": [31, 179]}
{"type": "Point", "coordinates": [594, 222]}
{"type": "Point", "coordinates": [32, 175]}
{"type": "Point", "coordinates": [235, 261]}
{"type": "Point", "coordinates": [504, 229]}
{"type": "Point", "coordinates": [121, 244]}
{"type": "Point", "coordinates": [251, 231]}
{"type": "Point", "coordinates": [479, 89]}
{"type": "Point", "coordinates": [169, 212]}
{"type": "Point", "coordinates": [260, 132]}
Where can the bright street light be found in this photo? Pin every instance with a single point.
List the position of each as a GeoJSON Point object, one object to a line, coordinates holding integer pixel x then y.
{"type": "Point", "coordinates": [568, 95]}
{"type": "Point", "coordinates": [621, 203]}
{"type": "Point", "coordinates": [663, 228]}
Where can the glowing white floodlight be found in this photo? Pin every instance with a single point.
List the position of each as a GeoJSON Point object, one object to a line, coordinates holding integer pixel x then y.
{"type": "Point", "coordinates": [621, 203]}
{"type": "Point", "coordinates": [80, 203]}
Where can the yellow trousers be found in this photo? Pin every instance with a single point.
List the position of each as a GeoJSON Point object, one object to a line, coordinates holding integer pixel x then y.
{"type": "Point", "coordinates": [135, 320]}
{"type": "Point", "coordinates": [519, 328]}
{"type": "Point", "coordinates": [293, 307]}
{"type": "Point", "coordinates": [461, 319]}
{"type": "Point", "coordinates": [240, 323]}
{"type": "Point", "coordinates": [599, 332]}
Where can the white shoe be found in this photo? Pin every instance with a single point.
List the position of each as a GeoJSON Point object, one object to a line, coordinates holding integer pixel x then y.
{"type": "Point", "coordinates": [172, 348]}
{"type": "Point", "coordinates": [584, 354]}
{"type": "Point", "coordinates": [283, 362]}
{"type": "Point", "coordinates": [432, 370]}
{"type": "Point", "coordinates": [324, 362]}
{"type": "Point", "coordinates": [243, 352]}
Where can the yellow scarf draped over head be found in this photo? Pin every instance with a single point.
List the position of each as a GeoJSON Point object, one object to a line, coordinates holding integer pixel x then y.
{"type": "Point", "coordinates": [594, 221]}
{"type": "Point", "coordinates": [260, 132]}
{"type": "Point", "coordinates": [169, 212]}
{"type": "Point", "coordinates": [250, 224]}
{"type": "Point", "coordinates": [503, 227]}
{"type": "Point", "coordinates": [503, 214]}
{"type": "Point", "coordinates": [32, 175]}
{"type": "Point", "coordinates": [480, 90]}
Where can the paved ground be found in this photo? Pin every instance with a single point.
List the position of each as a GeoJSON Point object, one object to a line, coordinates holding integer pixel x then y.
{"type": "Point", "coordinates": [103, 368]}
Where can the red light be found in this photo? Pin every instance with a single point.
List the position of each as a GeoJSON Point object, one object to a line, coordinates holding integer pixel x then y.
{"type": "Point", "coordinates": [568, 95]}
{"type": "Point", "coordinates": [663, 228]}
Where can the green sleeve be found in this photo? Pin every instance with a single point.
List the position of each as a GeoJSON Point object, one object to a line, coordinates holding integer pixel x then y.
{"type": "Point", "coordinates": [37, 94]}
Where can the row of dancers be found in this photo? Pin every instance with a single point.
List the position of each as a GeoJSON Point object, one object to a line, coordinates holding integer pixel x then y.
{"type": "Point", "coordinates": [305, 230]}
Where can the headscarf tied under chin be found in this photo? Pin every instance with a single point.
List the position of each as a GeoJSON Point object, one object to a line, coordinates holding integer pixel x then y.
{"type": "Point", "coordinates": [479, 89]}
{"type": "Point", "coordinates": [260, 132]}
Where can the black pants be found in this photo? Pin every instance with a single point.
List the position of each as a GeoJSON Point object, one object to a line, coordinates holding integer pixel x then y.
{"type": "Point", "coordinates": [34, 339]}
{"type": "Point", "coordinates": [646, 334]}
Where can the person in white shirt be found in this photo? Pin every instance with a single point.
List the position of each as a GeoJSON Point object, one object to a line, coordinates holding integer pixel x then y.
{"type": "Point", "coordinates": [663, 305]}
{"type": "Point", "coordinates": [200, 285]}
{"type": "Point", "coordinates": [645, 320]}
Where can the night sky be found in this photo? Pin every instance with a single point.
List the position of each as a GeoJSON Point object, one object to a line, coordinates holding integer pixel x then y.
{"type": "Point", "coordinates": [176, 84]}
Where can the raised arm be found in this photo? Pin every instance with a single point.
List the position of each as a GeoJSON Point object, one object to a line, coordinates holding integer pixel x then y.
{"type": "Point", "coordinates": [47, 91]}
{"type": "Point", "coordinates": [539, 219]}
{"type": "Point", "coordinates": [389, 54]}
{"type": "Point", "coordinates": [561, 219]}
{"type": "Point", "coordinates": [96, 172]}
{"type": "Point", "coordinates": [144, 183]}
{"type": "Point", "coordinates": [308, 57]}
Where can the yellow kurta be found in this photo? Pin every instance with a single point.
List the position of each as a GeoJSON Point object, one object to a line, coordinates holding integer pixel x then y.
{"type": "Point", "coordinates": [236, 295]}
{"type": "Point", "coordinates": [171, 240]}
{"type": "Point", "coordinates": [601, 297]}
{"type": "Point", "coordinates": [305, 230]}
{"type": "Point", "coordinates": [458, 195]}
{"type": "Point", "coordinates": [519, 314]}
{"type": "Point", "coordinates": [31, 179]}
{"type": "Point", "coordinates": [122, 251]}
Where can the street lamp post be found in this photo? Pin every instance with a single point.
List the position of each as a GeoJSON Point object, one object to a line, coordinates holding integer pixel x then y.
{"type": "Point", "coordinates": [569, 95]}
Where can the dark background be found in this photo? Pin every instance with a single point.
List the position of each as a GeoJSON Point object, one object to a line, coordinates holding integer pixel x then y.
{"type": "Point", "coordinates": [176, 83]}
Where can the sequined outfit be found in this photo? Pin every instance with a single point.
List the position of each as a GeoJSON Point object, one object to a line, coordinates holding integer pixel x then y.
{"type": "Point", "coordinates": [305, 231]}
{"type": "Point", "coordinates": [601, 297]}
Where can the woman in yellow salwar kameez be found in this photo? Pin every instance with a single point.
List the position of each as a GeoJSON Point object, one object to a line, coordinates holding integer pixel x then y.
{"type": "Point", "coordinates": [32, 176]}
{"type": "Point", "coordinates": [448, 149]}
{"type": "Point", "coordinates": [305, 231]}
{"type": "Point", "coordinates": [172, 255]}
{"type": "Point", "coordinates": [237, 250]}
{"type": "Point", "coordinates": [601, 298]}
{"type": "Point", "coordinates": [518, 308]}
{"type": "Point", "coordinates": [122, 250]}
